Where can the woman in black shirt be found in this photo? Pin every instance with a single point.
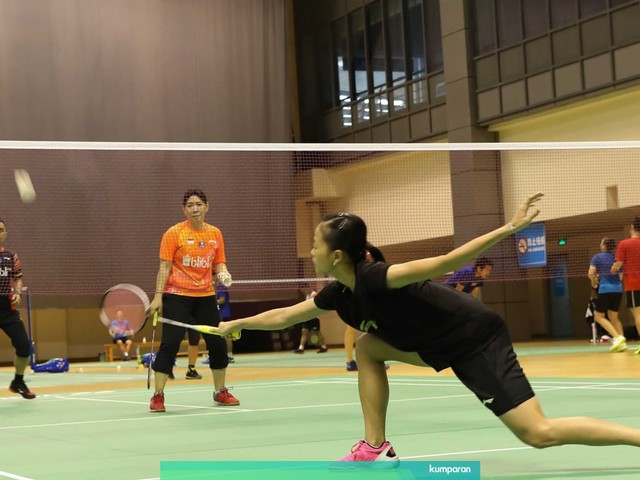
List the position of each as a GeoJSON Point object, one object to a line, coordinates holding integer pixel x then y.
{"type": "Point", "coordinates": [408, 318]}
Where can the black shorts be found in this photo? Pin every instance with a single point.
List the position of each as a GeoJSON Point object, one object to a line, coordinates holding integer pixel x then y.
{"type": "Point", "coordinates": [12, 325]}
{"type": "Point", "coordinates": [608, 302]}
{"type": "Point", "coordinates": [313, 324]}
{"type": "Point", "coordinates": [633, 298]}
{"type": "Point", "coordinates": [124, 339]}
{"type": "Point", "coordinates": [196, 311]}
{"type": "Point", "coordinates": [495, 376]}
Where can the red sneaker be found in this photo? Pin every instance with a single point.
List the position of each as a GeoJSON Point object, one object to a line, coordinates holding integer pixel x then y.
{"type": "Point", "coordinates": [223, 397]}
{"type": "Point", "coordinates": [157, 402]}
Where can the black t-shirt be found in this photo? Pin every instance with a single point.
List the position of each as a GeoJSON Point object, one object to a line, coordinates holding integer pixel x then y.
{"type": "Point", "coordinates": [440, 323]}
{"type": "Point", "coordinates": [10, 269]}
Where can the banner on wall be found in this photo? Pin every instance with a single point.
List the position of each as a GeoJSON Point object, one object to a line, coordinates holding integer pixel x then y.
{"type": "Point", "coordinates": [531, 244]}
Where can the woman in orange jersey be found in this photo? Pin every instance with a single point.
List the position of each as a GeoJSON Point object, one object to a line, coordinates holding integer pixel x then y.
{"type": "Point", "coordinates": [191, 252]}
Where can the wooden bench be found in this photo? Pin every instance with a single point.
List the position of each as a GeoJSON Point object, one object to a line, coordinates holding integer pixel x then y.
{"type": "Point", "coordinates": [145, 347]}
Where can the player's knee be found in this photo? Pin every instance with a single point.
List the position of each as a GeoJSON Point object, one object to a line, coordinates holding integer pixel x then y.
{"type": "Point", "coordinates": [23, 350]}
{"type": "Point", "coordinates": [539, 436]}
{"type": "Point", "coordinates": [163, 363]}
{"type": "Point", "coordinates": [368, 348]}
{"type": "Point", "coordinates": [219, 362]}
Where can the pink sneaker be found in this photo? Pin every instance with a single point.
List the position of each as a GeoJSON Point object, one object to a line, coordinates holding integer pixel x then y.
{"type": "Point", "coordinates": [363, 452]}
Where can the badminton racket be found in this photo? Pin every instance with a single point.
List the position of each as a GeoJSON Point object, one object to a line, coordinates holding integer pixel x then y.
{"type": "Point", "coordinates": [198, 328]}
{"type": "Point", "coordinates": [151, 359]}
{"type": "Point", "coordinates": [125, 302]}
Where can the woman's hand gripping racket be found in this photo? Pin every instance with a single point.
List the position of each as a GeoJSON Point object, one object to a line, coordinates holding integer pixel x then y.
{"type": "Point", "coordinates": [208, 329]}
{"type": "Point", "coordinates": [227, 329]}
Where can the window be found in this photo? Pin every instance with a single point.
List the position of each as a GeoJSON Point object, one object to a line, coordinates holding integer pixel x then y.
{"type": "Point", "coordinates": [563, 12]}
{"type": "Point", "coordinates": [358, 53]}
{"type": "Point", "coordinates": [415, 38]}
{"type": "Point", "coordinates": [396, 41]}
{"type": "Point", "coordinates": [434, 36]}
{"type": "Point", "coordinates": [615, 3]}
{"type": "Point", "coordinates": [377, 59]}
{"type": "Point", "coordinates": [341, 61]}
{"type": "Point", "coordinates": [484, 27]}
{"type": "Point", "coordinates": [589, 8]}
{"type": "Point", "coordinates": [509, 22]}
{"type": "Point", "coordinates": [536, 17]}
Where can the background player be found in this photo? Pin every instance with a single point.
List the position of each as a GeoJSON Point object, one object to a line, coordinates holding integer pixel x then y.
{"type": "Point", "coordinates": [10, 321]}
{"type": "Point", "coordinates": [189, 253]}
{"type": "Point", "coordinates": [609, 288]}
{"type": "Point", "coordinates": [628, 255]}
{"type": "Point", "coordinates": [121, 332]}
{"type": "Point", "coordinates": [470, 279]}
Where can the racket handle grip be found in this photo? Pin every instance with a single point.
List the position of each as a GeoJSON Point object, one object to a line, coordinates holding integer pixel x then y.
{"type": "Point", "coordinates": [225, 278]}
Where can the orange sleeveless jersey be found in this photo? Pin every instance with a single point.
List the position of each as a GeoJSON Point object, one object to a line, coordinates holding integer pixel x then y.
{"type": "Point", "coordinates": [193, 254]}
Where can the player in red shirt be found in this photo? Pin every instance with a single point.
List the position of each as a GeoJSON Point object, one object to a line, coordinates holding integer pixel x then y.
{"type": "Point", "coordinates": [628, 256]}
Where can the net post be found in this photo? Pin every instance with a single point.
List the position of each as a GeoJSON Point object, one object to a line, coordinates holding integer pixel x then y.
{"type": "Point", "coordinates": [32, 353]}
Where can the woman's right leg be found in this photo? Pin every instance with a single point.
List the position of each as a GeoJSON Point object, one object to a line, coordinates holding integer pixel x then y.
{"type": "Point", "coordinates": [373, 386]}
{"type": "Point", "coordinates": [178, 308]}
{"type": "Point", "coordinates": [349, 341]}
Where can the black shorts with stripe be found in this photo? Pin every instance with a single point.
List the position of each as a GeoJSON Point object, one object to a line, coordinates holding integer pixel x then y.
{"type": "Point", "coordinates": [494, 375]}
{"type": "Point", "coordinates": [633, 298]}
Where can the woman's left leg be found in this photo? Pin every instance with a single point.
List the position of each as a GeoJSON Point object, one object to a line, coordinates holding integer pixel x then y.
{"type": "Point", "coordinates": [530, 425]}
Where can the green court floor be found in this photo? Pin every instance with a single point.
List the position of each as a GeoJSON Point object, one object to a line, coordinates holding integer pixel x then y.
{"type": "Point", "coordinates": [110, 434]}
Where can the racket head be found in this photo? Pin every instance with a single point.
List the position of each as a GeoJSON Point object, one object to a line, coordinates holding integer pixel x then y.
{"type": "Point", "coordinates": [131, 300]}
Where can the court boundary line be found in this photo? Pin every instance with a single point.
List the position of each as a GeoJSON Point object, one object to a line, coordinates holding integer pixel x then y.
{"type": "Point", "coordinates": [211, 411]}
{"type": "Point", "coordinates": [16, 477]}
{"type": "Point", "coordinates": [489, 450]}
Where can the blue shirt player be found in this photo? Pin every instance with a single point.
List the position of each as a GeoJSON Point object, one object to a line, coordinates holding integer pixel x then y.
{"type": "Point", "coordinates": [610, 289]}
{"type": "Point", "coordinates": [471, 279]}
